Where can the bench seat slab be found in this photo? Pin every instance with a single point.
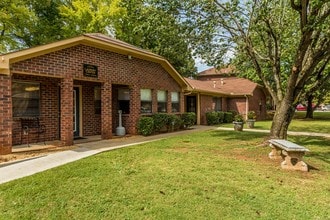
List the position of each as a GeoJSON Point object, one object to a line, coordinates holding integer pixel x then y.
{"type": "Point", "coordinates": [290, 153]}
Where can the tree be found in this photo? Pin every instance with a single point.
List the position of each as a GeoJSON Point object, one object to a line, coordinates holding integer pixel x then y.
{"type": "Point", "coordinates": [89, 16]}
{"type": "Point", "coordinates": [317, 87]}
{"type": "Point", "coordinates": [150, 27]}
{"type": "Point", "coordinates": [284, 42]}
{"type": "Point", "coordinates": [15, 18]}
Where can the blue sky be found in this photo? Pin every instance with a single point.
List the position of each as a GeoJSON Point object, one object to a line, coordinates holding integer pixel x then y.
{"type": "Point", "coordinates": [200, 65]}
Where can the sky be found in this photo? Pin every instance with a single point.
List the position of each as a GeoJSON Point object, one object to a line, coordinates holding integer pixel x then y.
{"type": "Point", "coordinates": [200, 65]}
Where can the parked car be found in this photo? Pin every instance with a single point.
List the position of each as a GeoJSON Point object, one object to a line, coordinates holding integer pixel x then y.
{"type": "Point", "coordinates": [301, 107]}
{"type": "Point", "coordinates": [325, 107]}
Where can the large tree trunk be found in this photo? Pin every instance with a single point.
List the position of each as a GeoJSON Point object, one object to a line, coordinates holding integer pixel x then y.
{"type": "Point", "coordinates": [282, 118]}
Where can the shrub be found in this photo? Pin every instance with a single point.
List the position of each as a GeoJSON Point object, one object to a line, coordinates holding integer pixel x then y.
{"type": "Point", "coordinates": [212, 118]}
{"type": "Point", "coordinates": [239, 118]}
{"type": "Point", "coordinates": [174, 122]}
{"type": "Point", "coordinates": [251, 115]}
{"type": "Point", "coordinates": [228, 117]}
{"type": "Point", "coordinates": [233, 112]}
{"type": "Point", "coordinates": [145, 126]}
{"type": "Point", "coordinates": [189, 119]}
{"type": "Point", "coordinates": [160, 121]}
{"type": "Point", "coordinates": [221, 116]}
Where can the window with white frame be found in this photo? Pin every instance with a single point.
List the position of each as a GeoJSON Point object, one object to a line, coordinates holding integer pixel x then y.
{"type": "Point", "coordinates": [175, 99]}
{"type": "Point", "coordinates": [162, 101]}
{"type": "Point", "coordinates": [26, 99]}
{"type": "Point", "coordinates": [146, 100]}
{"type": "Point", "coordinates": [123, 100]}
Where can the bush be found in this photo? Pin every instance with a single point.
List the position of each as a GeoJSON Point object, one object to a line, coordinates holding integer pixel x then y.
{"type": "Point", "coordinates": [212, 118]}
{"type": "Point", "coordinates": [233, 112]}
{"type": "Point", "coordinates": [228, 117]}
{"type": "Point", "coordinates": [174, 122]}
{"type": "Point", "coordinates": [145, 126]}
{"type": "Point", "coordinates": [221, 116]}
{"type": "Point", "coordinates": [160, 121]}
{"type": "Point", "coordinates": [239, 118]}
{"type": "Point", "coordinates": [189, 119]}
{"type": "Point", "coordinates": [251, 115]}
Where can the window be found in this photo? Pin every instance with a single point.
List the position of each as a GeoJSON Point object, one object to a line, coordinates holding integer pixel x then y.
{"type": "Point", "coordinates": [123, 100]}
{"type": "Point", "coordinates": [26, 99]}
{"type": "Point", "coordinates": [146, 101]}
{"type": "Point", "coordinates": [162, 101]}
{"type": "Point", "coordinates": [217, 104]}
{"type": "Point", "coordinates": [97, 100]}
{"type": "Point", "coordinates": [175, 98]}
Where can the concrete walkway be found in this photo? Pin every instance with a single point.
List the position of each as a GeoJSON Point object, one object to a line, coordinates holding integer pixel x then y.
{"type": "Point", "coordinates": [14, 170]}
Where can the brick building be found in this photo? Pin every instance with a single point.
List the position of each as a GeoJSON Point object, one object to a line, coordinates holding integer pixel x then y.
{"type": "Point", "coordinates": [222, 90]}
{"type": "Point", "coordinates": [75, 88]}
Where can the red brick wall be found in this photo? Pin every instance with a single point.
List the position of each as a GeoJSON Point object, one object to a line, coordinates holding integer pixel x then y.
{"type": "Point", "coordinates": [5, 115]}
{"type": "Point", "coordinates": [113, 68]}
{"type": "Point", "coordinates": [49, 90]}
{"type": "Point", "coordinates": [258, 98]}
{"type": "Point", "coordinates": [206, 106]}
{"type": "Point", "coordinates": [236, 104]}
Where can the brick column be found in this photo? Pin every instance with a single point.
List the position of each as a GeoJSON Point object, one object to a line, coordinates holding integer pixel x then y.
{"type": "Point", "coordinates": [182, 103]}
{"type": "Point", "coordinates": [135, 108]}
{"type": "Point", "coordinates": [5, 115]}
{"type": "Point", "coordinates": [169, 102]}
{"type": "Point", "coordinates": [67, 111]}
{"type": "Point", "coordinates": [106, 110]}
{"type": "Point", "coordinates": [154, 101]}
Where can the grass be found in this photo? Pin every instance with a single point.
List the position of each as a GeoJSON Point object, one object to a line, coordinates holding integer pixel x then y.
{"type": "Point", "coordinates": [207, 175]}
{"type": "Point", "coordinates": [320, 123]}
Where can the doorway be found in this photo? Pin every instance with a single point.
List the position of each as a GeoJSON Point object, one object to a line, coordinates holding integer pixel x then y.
{"type": "Point", "coordinates": [76, 111]}
{"type": "Point", "coordinates": [191, 104]}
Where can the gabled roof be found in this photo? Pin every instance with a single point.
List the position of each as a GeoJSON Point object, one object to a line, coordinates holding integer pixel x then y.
{"type": "Point", "coordinates": [95, 40]}
{"type": "Point", "coordinates": [230, 70]}
{"type": "Point", "coordinates": [232, 86]}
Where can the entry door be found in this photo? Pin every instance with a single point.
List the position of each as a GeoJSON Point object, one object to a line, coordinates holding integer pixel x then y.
{"type": "Point", "coordinates": [191, 104]}
{"type": "Point", "coordinates": [76, 110]}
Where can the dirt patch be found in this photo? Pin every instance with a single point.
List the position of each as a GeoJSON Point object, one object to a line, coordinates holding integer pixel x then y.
{"type": "Point", "coordinates": [33, 153]}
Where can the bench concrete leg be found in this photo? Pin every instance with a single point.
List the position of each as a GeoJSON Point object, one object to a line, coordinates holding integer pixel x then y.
{"type": "Point", "coordinates": [293, 161]}
{"type": "Point", "coordinates": [275, 153]}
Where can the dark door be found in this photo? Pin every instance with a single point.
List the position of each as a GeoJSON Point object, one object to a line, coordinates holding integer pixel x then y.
{"type": "Point", "coordinates": [76, 110]}
{"type": "Point", "coordinates": [191, 104]}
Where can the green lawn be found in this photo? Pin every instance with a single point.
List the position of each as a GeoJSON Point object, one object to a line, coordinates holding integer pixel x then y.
{"type": "Point", "coordinates": [320, 123]}
{"type": "Point", "coordinates": [207, 175]}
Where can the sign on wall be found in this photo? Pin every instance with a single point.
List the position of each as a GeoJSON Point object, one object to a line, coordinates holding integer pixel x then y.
{"type": "Point", "coordinates": [90, 70]}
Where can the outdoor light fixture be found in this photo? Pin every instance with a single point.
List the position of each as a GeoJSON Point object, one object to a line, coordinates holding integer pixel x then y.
{"type": "Point", "coordinates": [31, 88]}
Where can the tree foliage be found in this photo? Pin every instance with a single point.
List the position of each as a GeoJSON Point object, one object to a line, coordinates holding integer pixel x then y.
{"type": "Point", "coordinates": [282, 43]}
{"type": "Point", "coordinates": [27, 23]}
{"type": "Point", "coordinates": [151, 27]}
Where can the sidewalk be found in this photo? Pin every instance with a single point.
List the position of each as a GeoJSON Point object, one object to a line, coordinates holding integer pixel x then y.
{"type": "Point", "coordinates": [293, 133]}
{"type": "Point", "coordinates": [18, 169]}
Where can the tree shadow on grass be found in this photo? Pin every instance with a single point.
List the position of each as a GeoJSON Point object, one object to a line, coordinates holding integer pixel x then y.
{"type": "Point", "coordinates": [238, 135]}
{"type": "Point", "coordinates": [321, 150]}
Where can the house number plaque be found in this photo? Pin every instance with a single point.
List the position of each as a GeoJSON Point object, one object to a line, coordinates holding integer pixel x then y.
{"type": "Point", "coordinates": [90, 70]}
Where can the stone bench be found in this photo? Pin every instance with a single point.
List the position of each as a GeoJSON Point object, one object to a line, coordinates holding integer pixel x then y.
{"type": "Point", "coordinates": [291, 154]}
